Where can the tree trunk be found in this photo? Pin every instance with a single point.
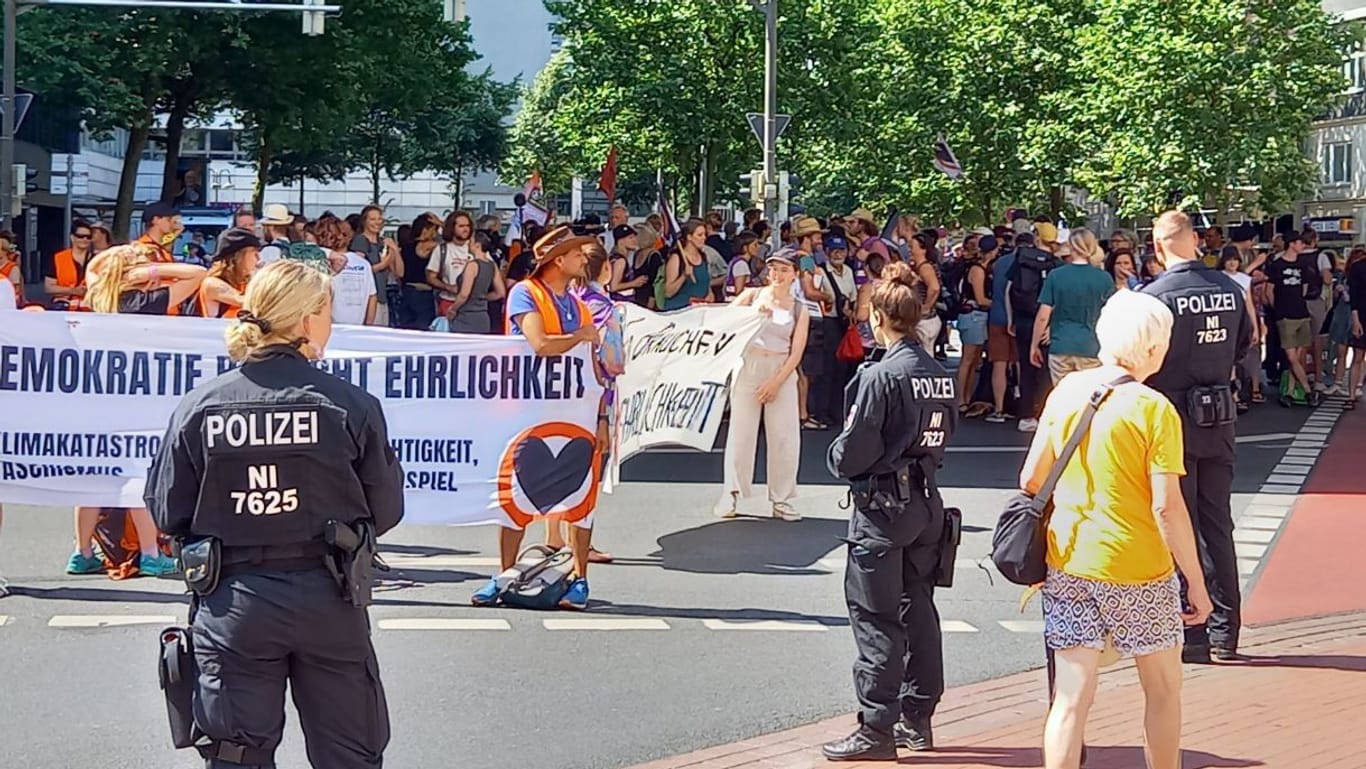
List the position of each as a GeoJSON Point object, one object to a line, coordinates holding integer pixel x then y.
{"type": "Point", "coordinates": [263, 157]}
{"type": "Point", "coordinates": [458, 185]}
{"type": "Point", "coordinates": [301, 195]}
{"type": "Point", "coordinates": [128, 178]}
{"type": "Point", "coordinates": [1055, 201]}
{"type": "Point", "coordinates": [175, 130]}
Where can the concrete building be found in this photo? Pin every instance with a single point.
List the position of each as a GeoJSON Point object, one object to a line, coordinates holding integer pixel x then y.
{"type": "Point", "coordinates": [512, 36]}
{"type": "Point", "coordinates": [1338, 143]}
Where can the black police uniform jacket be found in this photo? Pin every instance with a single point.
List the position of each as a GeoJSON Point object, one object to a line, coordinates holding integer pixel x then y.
{"type": "Point", "coordinates": [1211, 332]}
{"type": "Point", "coordinates": [901, 411]}
{"type": "Point", "coordinates": [268, 453]}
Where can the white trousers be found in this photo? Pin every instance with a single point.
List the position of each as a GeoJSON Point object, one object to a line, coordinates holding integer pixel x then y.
{"type": "Point", "coordinates": [782, 431]}
{"type": "Point", "coordinates": [928, 332]}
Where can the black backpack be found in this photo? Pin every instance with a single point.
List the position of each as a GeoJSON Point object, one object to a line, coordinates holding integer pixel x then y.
{"type": "Point", "coordinates": [951, 289]}
{"type": "Point", "coordinates": [1026, 278]}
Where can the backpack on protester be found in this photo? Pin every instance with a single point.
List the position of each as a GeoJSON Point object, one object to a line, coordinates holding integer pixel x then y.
{"type": "Point", "coordinates": [1026, 279]}
{"type": "Point", "coordinates": [538, 580]}
{"type": "Point", "coordinates": [951, 290]}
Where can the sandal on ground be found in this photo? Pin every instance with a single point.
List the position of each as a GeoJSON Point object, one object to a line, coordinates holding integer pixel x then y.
{"type": "Point", "coordinates": [597, 556]}
{"type": "Point", "coordinates": [811, 424]}
{"type": "Point", "coordinates": [1258, 398]}
{"type": "Point", "coordinates": [977, 410]}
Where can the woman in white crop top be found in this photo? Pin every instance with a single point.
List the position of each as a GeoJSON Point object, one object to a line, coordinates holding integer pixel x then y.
{"type": "Point", "coordinates": [766, 387]}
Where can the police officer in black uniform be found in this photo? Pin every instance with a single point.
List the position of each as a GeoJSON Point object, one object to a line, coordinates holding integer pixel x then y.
{"type": "Point", "coordinates": [902, 414]}
{"type": "Point", "coordinates": [1210, 334]}
{"type": "Point", "coordinates": [275, 478]}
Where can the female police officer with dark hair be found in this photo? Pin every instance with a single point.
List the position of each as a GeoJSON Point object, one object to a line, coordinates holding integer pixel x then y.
{"type": "Point", "coordinates": [901, 412]}
{"type": "Point", "coordinates": [273, 477]}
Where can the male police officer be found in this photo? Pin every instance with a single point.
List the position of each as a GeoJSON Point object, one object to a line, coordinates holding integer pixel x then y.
{"type": "Point", "coordinates": [276, 478]}
{"type": "Point", "coordinates": [902, 416]}
{"type": "Point", "coordinates": [1211, 333]}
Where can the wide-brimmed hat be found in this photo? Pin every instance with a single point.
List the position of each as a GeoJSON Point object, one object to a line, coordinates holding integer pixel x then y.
{"type": "Point", "coordinates": [556, 243]}
{"type": "Point", "coordinates": [276, 214]}
{"type": "Point", "coordinates": [862, 215]}
{"type": "Point", "coordinates": [233, 240]}
{"type": "Point", "coordinates": [805, 225]}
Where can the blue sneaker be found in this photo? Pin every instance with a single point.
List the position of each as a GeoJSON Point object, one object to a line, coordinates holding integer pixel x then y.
{"type": "Point", "coordinates": [576, 597]}
{"type": "Point", "coordinates": [83, 564]}
{"type": "Point", "coordinates": [158, 566]}
{"type": "Point", "coordinates": [488, 594]}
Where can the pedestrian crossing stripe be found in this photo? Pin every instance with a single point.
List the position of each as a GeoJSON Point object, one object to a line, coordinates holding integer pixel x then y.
{"type": "Point", "coordinates": [605, 623]}
{"type": "Point", "coordinates": [443, 623]}
{"type": "Point", "coordinates": [109, 620]}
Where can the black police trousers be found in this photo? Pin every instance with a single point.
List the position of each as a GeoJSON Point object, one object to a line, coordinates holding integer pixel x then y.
{"type": "Point", "coordinates": [257, 630]}
{"type": "Point", "coordinates": [889, 588]}
{"type": "Point", "coordinates": [1208, 488]}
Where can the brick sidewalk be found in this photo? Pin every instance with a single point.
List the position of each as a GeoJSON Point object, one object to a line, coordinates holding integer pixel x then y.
{"type": "Point", "coordinates": [1297, 705]}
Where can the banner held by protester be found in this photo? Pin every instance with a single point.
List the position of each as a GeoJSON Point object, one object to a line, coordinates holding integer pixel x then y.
{"type": "Point", "coordinates": [484, 429]}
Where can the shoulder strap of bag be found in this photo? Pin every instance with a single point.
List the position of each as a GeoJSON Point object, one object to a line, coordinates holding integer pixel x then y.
{"type": "Point", "coordinates": [1083, 425]}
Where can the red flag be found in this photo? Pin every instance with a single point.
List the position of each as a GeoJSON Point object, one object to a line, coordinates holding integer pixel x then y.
{"type": "Point", "coordinates": [532, 189]}
{"type": "Point", "coordinates": [608, 181]}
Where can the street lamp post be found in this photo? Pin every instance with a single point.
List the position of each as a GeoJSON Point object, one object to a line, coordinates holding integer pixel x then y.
{"type": "Point", "coordinates": [770, 10]}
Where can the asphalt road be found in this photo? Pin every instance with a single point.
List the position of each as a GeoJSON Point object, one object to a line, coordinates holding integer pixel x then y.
{"type": "Point", "coordinates": [704, 632]}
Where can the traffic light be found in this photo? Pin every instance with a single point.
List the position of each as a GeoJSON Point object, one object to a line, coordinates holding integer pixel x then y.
{"type": "Point", "coordinates": [18, 183]}
{"type": "Point", "coordinates": [789, 188]}
{"type": "Point", "coordinates": [754, 182]}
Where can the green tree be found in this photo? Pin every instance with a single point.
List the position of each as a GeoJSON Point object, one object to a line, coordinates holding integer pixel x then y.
{"type": "Point", "coordinates": [1204, 103]}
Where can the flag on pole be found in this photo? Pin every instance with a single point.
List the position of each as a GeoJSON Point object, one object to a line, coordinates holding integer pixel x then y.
{"type": "Point", "coordinates": [889, 229]}
{"type": "Point", "coordinates": [945, 160]}
{"type": "Point", "coordinates": [671, 226]}
{"type": "Point", "coordinates": [607, 182]}
{"type": "Point", "coordinates": [532, 189]}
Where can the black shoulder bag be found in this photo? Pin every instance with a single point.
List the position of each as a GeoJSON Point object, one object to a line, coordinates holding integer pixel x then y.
{"type": "Point", "coordinates": [1019, 546]}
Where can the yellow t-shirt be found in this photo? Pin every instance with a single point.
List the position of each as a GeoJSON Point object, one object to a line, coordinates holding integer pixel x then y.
{"type": "Point", "coordinates": [1102, 526]}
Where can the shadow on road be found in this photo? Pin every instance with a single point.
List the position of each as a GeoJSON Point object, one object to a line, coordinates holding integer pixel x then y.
{"type": "Point", "coordinates": [105, 595]}
{"type": "Point", "coordinates": [410, 576]}
{"type": "Point", "coordinates": [608, 609]}
{"type": "Point", "coordinates": [748, 546]}
{"type": "Point", "coordinates": [1342, 662]}
{"type": "Point", "coordinates": [388, 548]}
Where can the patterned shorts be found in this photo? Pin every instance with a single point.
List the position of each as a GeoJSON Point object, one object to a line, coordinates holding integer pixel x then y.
{"type": "Point", "coordinates": [1141, 619]}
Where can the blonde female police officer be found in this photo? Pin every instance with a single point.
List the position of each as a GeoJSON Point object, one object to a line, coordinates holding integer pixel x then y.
{"type": "Point", "coordinates": [267, 460]}
{"type": "Point", "coordinates": [902, 414]}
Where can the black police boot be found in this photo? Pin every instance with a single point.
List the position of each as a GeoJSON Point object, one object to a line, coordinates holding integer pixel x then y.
{"type": "Point", "coordinates": [865, 744]}
{"type": "Point", "coordinates": [914, 734]}
{"type": "Point", "coordinates": [1226, 654]}
{"type": "Point", "coordinates": [1196, 655]}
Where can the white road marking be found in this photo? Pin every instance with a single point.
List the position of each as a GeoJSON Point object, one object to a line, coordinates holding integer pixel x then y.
{"type": "Point", "coordinates": [1266, 511]}
{"type": "Point", "coordinates": [1248, 566]}
{"type": "Point", "coordinates": [1276, 488]}
{"type": "Point", "coordinates": [1248, 550]}
{"type": "Point", "coordinates": [955, 626]}
{"type": "Point", "coordinates": [605, 623]}
{"type": "Point", "coordinates": [1022, 625]}
{"type": "Point", "coordinates": [1286, 479]}
{"type": "Point", "coordinates": [438, 623]}
{"type": "Point", "coordinates": [1260, 523]}
{"type": "Point", "coordinates": [1289, 459]}
{"type": "Point", "coordinates": [397, 561]}
{"type": "Point", "coordinates": [1285, 469]}
{"type": "Point", "coordinates": [768, 625]}
{"type": "Point", "coordinates": [1255, 536]}
{"type": "Point", "coordinates": [1272, 499]}
{"type": "Point", "coordinates": [3, 619]}
{"type": "Point", "coordinates": [1308, 443]}
{"type": "Point", "coordinates": [109, 620]}
{"type": "Point", "coordinates": [1264, 438]}
{"type": "Point", "coordinates": [1299, 452]}
{"type": "Point", "coordinates": [837, 564]}
{"type": "Point", "coordinates": [1316, 430]}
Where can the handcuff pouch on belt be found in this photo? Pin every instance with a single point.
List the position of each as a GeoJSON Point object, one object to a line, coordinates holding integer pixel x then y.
{"type": "Point", "coordinates": [1211, 406]}
{"type": "Point", "coordinates": [888, 493]}
{"type": "Point", "coordinates": [201, 563]}
{"type": "Point", "coordinates": [352, 560]}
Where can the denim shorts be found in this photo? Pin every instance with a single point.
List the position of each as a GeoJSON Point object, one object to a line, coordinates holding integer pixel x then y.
{"type": "Point", "coordinates": [972, 328]}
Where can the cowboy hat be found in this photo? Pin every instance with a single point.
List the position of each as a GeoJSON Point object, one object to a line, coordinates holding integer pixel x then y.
{"type": "Point", "coordinates": [556, 243]}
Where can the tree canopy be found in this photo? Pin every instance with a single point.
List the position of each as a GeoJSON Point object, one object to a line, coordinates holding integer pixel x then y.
{"type": "Point", "coordinates": [1141, 103]}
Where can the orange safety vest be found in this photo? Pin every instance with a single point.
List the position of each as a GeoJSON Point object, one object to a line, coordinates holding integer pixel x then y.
{"type": "Point", "coordinates": [64, 264]}
{"type": "Point", "coordinates": [225, 310]}
{"type": "Point", "coordinates": [544, 300]}
{"type": "Point", "coordinates": [164, 257]}
{"type": "Point", "coordinates": [5, 269]}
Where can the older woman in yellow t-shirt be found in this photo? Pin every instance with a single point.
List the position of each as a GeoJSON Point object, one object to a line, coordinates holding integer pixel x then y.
{"type": "Point", "coordinates": [1118, 523]}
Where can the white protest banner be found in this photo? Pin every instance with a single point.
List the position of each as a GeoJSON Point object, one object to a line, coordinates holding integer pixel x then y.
{"type": "Point", "coordinates": [678, 366]}
{"type": "Point", "coordinates": [485, 430]}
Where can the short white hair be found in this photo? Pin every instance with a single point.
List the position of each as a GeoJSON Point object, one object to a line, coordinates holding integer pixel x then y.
{"type": "Point", "coordinates": [1134, 327]}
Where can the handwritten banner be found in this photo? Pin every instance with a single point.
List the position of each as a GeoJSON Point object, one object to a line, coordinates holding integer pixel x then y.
{"type": "Point", "coordinates": [678, 367]}
{"type": "Point", "coordinates": [486, 431]}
